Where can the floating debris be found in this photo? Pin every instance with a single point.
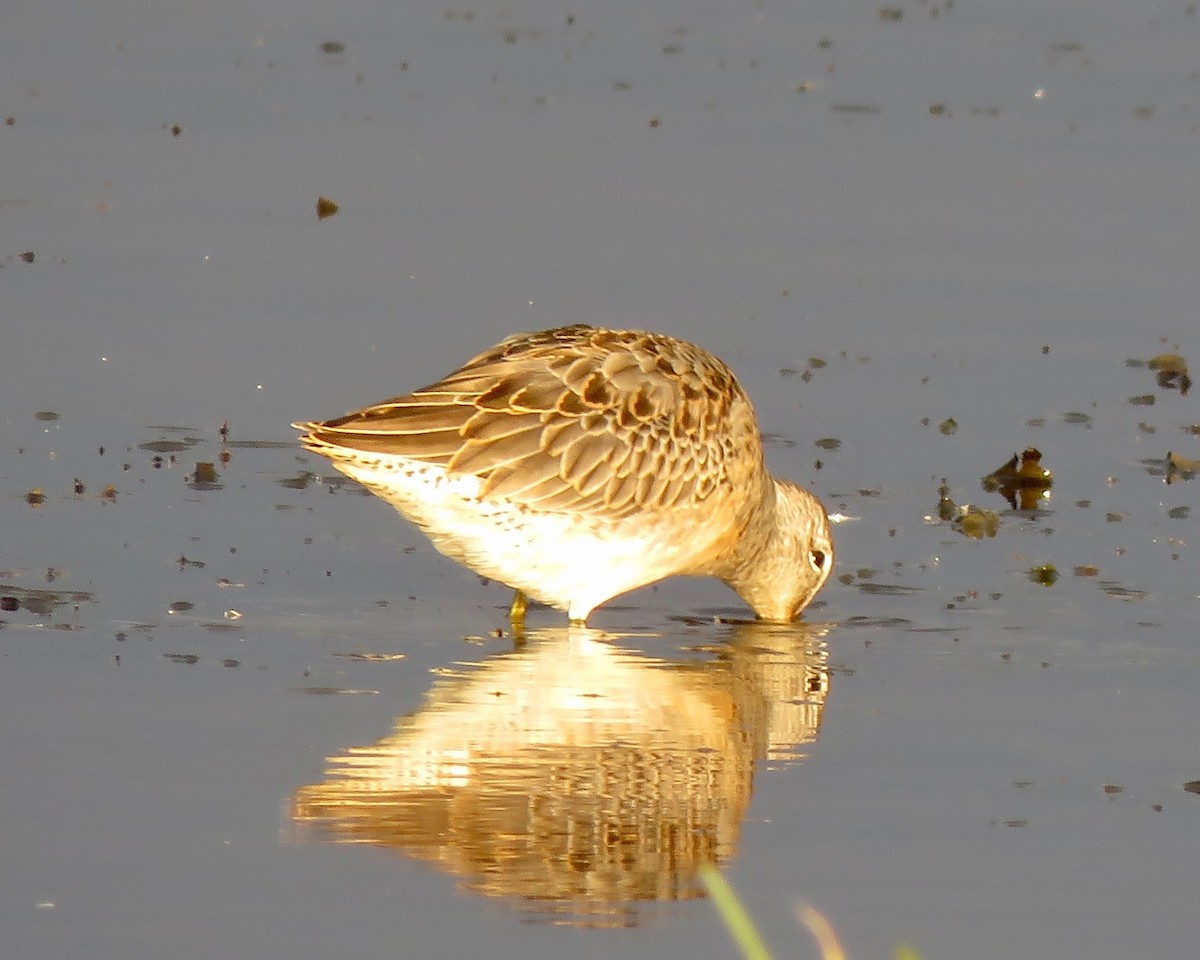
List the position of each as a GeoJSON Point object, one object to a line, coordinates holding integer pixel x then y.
{"type": "Point", "coordinates": [1046, 574]}
{"type": "Point", "coordinates": [1180, 467]}
{"type": "Point", "coordinates": [1025, 470]}
{"type": "Point", "coordinates": [888, 623]}
{"type": "Point", "coordinates": [35, 497]}
{"type": "Point", "coordinates": [1074, 416]}
{"type": "Point", "coordinates": [948, 427]}
{"type": "Point", "coordinates": [47, 416]}
{"type": "Point", "coordinates": [204, 477]}
{"type": "Point", "coordinates": [889, 589]}
{"type": "Point", "coordinates": [976, 522]}
{"type": "Point", "coordinates": [44, 602]}
{"type": "Point", "coordinates": [1113, 589]}
{"type": "Point", "coordinates": [372, 657]}
{"type": "Point", "coordinates": [333, 691]}
{"type": "Point", "coordinates": [1171, 372]}
{"type": "Point", "coordinates": [333, 47]}
{"type": "Point", "coordinates": [188, 658]}
{"type": "Point", "coordinates": [778, 440]}
{"type": "Point", "coordinates": [1022, 481]}
{"type": "Point", "coordinates": [854, 108]}
{"type": "Point", "coordinates": [168, 446]}
{"type": "Point", "coordinates": [947, 508]}
{"type": "Point", "coordinates": [261, 444]}
{"type": "Point", "coordinates": [326, 208]}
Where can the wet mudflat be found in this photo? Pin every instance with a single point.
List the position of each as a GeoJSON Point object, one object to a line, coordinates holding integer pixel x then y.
{"type": "Point", "coordinates": [247, 710]}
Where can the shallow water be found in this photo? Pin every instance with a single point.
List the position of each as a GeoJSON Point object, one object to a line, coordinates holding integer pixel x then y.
{"type": "Point", "coordinates": [952, 753]}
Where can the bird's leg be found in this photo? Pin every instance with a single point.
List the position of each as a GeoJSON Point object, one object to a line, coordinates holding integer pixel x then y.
{"type": "Point", "coordinates": [516, 612]}
{"type": "Point", "coordinates": [516, 616]}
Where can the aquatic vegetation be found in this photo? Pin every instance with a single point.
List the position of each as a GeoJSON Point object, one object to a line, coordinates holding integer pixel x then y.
{"type": "Point", "coordinates": [976, 522]}
{"type": "Point", "coordinates": [744, 932]}
{"type": "Point", "coordinates": [1022, 481]}
{"type": "Point", "coordinates": [1171, 372]}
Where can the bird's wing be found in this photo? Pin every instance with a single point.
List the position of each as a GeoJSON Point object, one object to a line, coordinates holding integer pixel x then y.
{"type": "Point", "coordinates": [576, 419]}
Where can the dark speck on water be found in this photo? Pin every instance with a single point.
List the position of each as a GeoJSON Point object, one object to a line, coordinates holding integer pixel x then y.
{"type": "Point", "coordinates": [168, 446]}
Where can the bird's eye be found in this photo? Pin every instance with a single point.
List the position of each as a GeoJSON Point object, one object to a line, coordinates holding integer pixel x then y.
{"type": "Point", "coordinates": [818, 559]}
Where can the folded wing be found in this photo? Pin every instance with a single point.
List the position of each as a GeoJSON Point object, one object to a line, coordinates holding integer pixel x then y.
{"type": "Point", "coordinates": [575, 419]}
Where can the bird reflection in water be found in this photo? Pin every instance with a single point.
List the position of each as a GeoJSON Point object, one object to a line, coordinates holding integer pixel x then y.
{"type": "Point", "coordinates": [577, 776]}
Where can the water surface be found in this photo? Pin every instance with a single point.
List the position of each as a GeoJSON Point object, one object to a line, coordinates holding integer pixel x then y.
{"type": "Point", "coordinates": [968, 214]}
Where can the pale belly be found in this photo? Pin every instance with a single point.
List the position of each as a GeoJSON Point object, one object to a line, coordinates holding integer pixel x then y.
{"type": "Point", "coordinates": [572, 561]}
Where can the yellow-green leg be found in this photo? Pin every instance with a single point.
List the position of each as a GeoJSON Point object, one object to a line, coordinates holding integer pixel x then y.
{"type": "Point", "coordinates": [516, 618]}
{"type": "Point", "coordinates": [516, 612]}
